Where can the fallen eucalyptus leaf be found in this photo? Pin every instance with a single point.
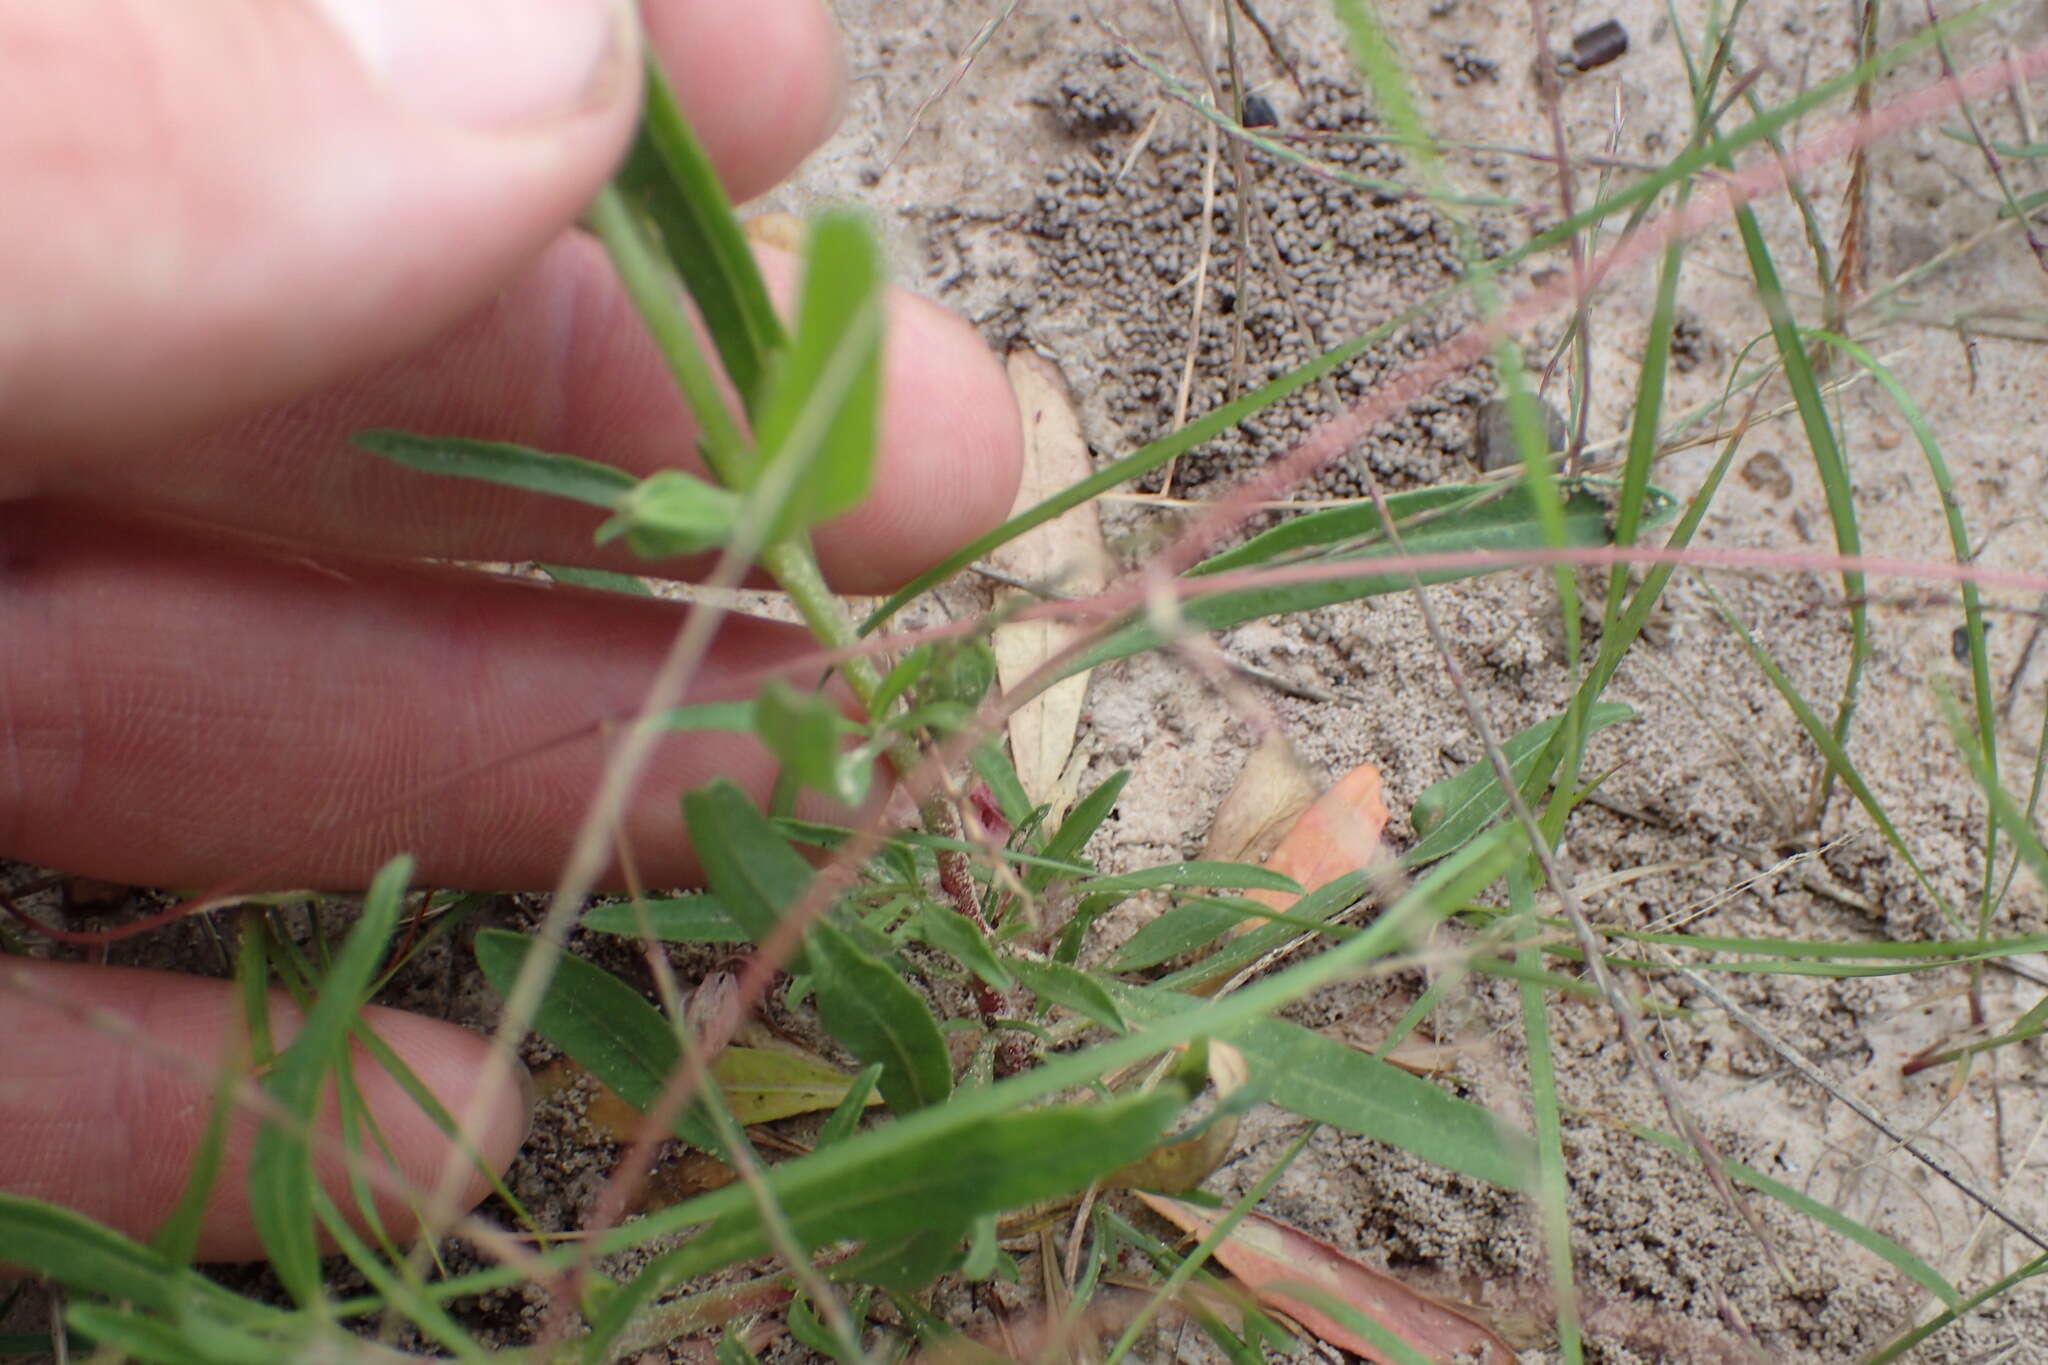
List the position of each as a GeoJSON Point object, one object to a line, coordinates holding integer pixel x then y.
{"type": "Point", "coordinates": [1337, 835]}
{"type": "Point", "coordinates": [1291, 1272]}
{"type": "Point", "coordinates": [1065, 554]}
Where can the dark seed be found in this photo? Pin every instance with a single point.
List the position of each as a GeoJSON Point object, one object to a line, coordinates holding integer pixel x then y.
{"type": "Point", "coordinates": [1959, 642]}
{"type": "Point", "coordinates": [1258, 112]}
{"type": "Point", "coordinates": [1599, 45]}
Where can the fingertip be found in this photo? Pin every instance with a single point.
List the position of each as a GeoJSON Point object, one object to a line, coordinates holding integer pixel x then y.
{"type": "Point", "coordinates": [110, 1080]}
{"type": "Point", "coordinates": [762, 83]}
{"type": "Point", "coordinates": [454, 1065]}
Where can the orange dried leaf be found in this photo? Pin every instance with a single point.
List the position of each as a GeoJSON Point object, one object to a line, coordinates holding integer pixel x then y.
{"type": "Point", "coordinates": [1290, 1272]}
{"type": "Point", "coordinates": [1339, 833]}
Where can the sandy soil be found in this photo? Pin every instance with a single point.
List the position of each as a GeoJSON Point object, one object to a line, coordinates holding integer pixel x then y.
{"type": "Point", "coordinates": [1031, 198]}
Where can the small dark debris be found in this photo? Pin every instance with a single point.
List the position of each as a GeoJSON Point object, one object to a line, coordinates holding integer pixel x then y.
{"type": "Point", "coordinates": [1258, 112]}
{"type": "Point", "coordinates": [1959, 641]}
{"type": "Point", "coordinates": [91, 896]}
{"type": "Point", "coordinates": [1766, 473]}
{"type": "Point", "coordinates": [1691, 345]}
{"type": "Point", "coordinates": [1599, 45]}
{"type": "Point", "coordinates": [1467, 66]}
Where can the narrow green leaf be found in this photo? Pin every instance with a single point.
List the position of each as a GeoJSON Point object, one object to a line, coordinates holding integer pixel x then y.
{"type": "Point", "coordinates": [762, 1084]}
{"type": "Point", "coordinates": [1640, 191]}
{"type": "Point", "coordinates": [672, 180]}
{"type": "Point", "coordinates": [1080, 825]}
{"type": "Point", "coordinates": [685, 919]}
{"type": "Point", "coordinates": [1180, 930]}
{"type": "Point", "coordinates": [876, 1015]}
{"type": "Point", "coordinates": [748, 865]}
{"type": "Point", "coordinates": [86, 1257]}
{"type": "Point", "coordinates": [953, 934]}
{"type": "Point", "coordinates": [126, 1336]}
{"type": "Point", "coordinates": [902, 1183]}
{"type": "Point", "coordinates": [992, 763]}
{"type": "Point", "coordinates": [1227, 876]}
{"type": "Point", "coordinates": [731, 717]}
{"type": "Point", "coordinates": [806, 734]}
{"type": "Point", "coordinates": [732, 1351]}
{"type": "Point", "coordinates": [597, 580]}
{"type": "Point", "coordinates": [281, 1180]}
{"type": "Point", "coordinates": [845, 1119]}
{"type": "Point", "coordinates": [499, 462]}
{"type": "Point", "coordinates": [1837, 756]}
{"type": "Point", "coordinates": [1057, 983]}
{"type": "Point", "coordinates": [1879, 1245]}
{"type": "Point", "coordinates": [1997, 1289]}
{"type": "Point", "coordinates": [178, 1238]}
{"type": "Point", "coordinates": [1306, 915]}
{"type": "Point", "coordinates": [602, 1023]}
{"type": "Point", "coordinates": [1458, 518]}
{"type": "Point", "coordinates": [1457, 808]}
{"type": "Point", "coordinates": [941, 1131]}
{"type": "Point", "coordinates": [907, 671]}
{"type": "Point", "coordinates": [1318, 1078]}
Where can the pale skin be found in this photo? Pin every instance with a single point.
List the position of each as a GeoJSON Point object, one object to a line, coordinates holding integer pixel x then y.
{"type": "Point", "coordinates": [229, 240]}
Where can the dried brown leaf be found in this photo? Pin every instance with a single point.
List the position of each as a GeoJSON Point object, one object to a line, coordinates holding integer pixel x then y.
{"type": "Point", "coordinates": [783, 231]}
{"type": "Point", "coordinates": [1272, 791]}
{"type": "Point", "coordinates": [1290, 1272]}
{"type": "Point", "coordinates": [1065, 555]}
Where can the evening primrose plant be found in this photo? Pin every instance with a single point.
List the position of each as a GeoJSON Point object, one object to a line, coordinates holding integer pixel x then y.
{"type": "Point", "coordinates": [1004, 1075]}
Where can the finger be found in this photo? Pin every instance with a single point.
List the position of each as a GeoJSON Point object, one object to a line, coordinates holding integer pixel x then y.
{"type": "Point", "coordinates": [559, 361]}
{"type": "Point", "coordinates": [174, 712]}
{"type": "Point", "coordinates": [101, 1123]}
{"type": "Point", "coordinates": [216, 205]}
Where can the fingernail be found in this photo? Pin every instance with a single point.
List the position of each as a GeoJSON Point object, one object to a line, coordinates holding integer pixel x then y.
{"type": "Point", "coordinates": [493, 65]}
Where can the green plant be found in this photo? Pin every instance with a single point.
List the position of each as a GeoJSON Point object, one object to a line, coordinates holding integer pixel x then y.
{"type": "Point", "coordinates": [1076, 1075]}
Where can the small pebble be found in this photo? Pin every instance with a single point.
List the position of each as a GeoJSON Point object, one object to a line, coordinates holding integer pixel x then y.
{"type": "Point", "coordinates": [1599, 45]}
{"type": "Point", "coordinates": [1496, 434]}
{"type": "Point", "coordinates": [1258, 112]}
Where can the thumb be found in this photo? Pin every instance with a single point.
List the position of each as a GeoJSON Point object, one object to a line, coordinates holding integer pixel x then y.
{"type": "Point", "coordinates": [225, 202]}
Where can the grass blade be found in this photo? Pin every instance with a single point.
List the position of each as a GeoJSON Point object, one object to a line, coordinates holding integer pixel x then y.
{"type": "Point", "coordinates": [281, 1181]}
{"type": "Point", "coordinates": [1457, 808]}
{"type": "Point", "coordinates": [1464, 518]}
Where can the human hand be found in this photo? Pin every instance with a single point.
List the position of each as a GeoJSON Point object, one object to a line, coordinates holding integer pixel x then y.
{"type": "Point", "coordinates": [231, 239]}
